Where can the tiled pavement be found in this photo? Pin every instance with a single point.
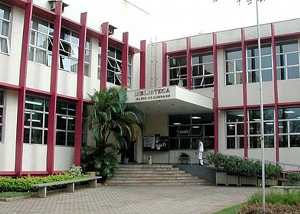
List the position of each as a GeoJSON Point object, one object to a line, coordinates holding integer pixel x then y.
{"type": "Point", "coordinates": [133, 199]}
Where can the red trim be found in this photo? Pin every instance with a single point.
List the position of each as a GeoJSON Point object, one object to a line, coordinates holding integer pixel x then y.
{"type": "Point", "coordinates": [18, 3]}
{"type": "Point", "coordinates": [288, 104]}
{"type": "Point", "coordinates": [104, 48]}
{"type": "Point", "coordinates": [9, 86]}
{"type": "Point", "coordinates": [38, 92]}
{"type": "Point", "coordinates": [66, 97]}
{"type": "Point", "coordinates": [225, 108]}
{"type": "Point", "coordinates": [11, 173]}
{"type": "Point", "coordinates": [164, 64]}
{"type": "Point", "coordinates": [53, 89]}
{"type": "Point", "coordinates": [22, 92]}
{"type": "Point", "coordinates": [143, 65]}
{"type": "Point", "coordinates": [189, 63]}
{"type": "Point", "coordinates": [80, 85]}
{"type": "Point", "coordinates": [202, 49]}
{"type": "Point", "coordinates": [87, 101]}
{"type": "Point", "coordinates": [8, 173]}
{"type": "Point", "coordinates": [216, 101]}
{"type": "Point", "coordinates": [275, 92]}
{"type": "Point", "coordinates": [43, 13]}
{"type": "Point", "coordinates": [244, 93]}
{"type": "Point", "coordinates": [69, 23]}
{"type": "Point", "coordinates": [125, 52]}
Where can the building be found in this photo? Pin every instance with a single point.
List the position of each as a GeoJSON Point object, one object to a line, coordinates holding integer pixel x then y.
{"type": "Point", "coordinates": [200, 86]}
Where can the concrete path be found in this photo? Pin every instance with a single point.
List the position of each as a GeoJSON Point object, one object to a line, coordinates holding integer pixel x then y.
{"type": "Point", "coordinates": [133, 199]}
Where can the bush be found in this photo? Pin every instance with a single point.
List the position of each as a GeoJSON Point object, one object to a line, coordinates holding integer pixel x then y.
{"type": "Point", "coordinates": [238, 166]}
{"type": "Point", "coordinates": [8, 184]}
{"type": "Point", "coordinates": [270, 209]}
{"type": "Point", "coordinates": [294, 177]}
{"type": "Point", "coordinates": [291, 198]}
{"type": "Point", "coordinates": [75, 170]}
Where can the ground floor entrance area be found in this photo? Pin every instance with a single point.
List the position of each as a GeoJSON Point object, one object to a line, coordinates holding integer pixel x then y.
{"type": "Point", "coordinates": [134, 199]}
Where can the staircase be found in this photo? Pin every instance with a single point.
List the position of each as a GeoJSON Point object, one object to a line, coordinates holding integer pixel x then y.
{"type": "Point", "coordinates": [156, 174]}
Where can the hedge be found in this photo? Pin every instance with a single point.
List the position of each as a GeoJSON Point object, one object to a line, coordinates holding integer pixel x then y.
{"type": "Point", "coordinates": [8, 184]}
{"type": "Point", "coordinates": [238, 166]}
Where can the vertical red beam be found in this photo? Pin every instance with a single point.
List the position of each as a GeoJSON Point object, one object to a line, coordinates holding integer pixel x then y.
{"type": "Point", "coordinates": [80, 84]}
{"type": "Point", "coordinates": [244, 93]}
{"type": "Point", "coordinates": [275, 92]}
{"type": "Point", "coordinates": [22, 92]}
{"type": "Point", "coordinates": [216, 95]}
{"type": "Point", "coordinates": [125, 52]}
{"type": "Point", "coordinates": [189, 63]}
{"type": "Point", "coordinates": [104, 48]}
{"type": "Point", "coordinates": [53, 89]}
{"type": "Point", "coordinates": [164, 64]}
{"type": "Point", "coordinates": [143, 65]}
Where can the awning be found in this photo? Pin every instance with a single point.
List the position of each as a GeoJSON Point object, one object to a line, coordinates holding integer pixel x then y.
{"type": "Point", "coordinates": [170, 100]}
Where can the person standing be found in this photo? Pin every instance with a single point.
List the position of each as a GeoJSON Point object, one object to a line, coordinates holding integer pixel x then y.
{"type": "Point", "coordinates": [200, 152]}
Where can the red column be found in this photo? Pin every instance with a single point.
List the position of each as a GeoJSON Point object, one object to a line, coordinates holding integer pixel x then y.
{"type": "Point", "coordinates": [244, 93]}
{"type": "Point", "coordinates": [189, 63]}
{"type": "Point", "coordinates": [80, 84]}
{"type": "Point", "coordinates": [22, 92]}
{"type": "Point", "coordinates": [125, 52]}
{"type": "Point", "coordinates": [216, 103]}
{"type": "Point", "coordinates": [164, 64]}
{"type": "Point", "coordinates": [53, 89]}
{"type": "Point", "coordinates": [275, 93]}
{"type": "Point", "coordinates": [104, 48]}
{"type": "Point", "coordinates": [143, 65]}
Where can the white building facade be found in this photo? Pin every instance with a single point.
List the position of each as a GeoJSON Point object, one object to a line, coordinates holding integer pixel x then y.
{"type": "Point", "coordinates": [204, 86]}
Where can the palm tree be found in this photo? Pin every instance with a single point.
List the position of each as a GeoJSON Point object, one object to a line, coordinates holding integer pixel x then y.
{"type": "Point", "coordinates": [111, 118]}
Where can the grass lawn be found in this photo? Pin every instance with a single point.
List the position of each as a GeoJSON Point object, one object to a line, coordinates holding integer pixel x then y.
{"type": "Point", "coordinates": [230, 210]}
{"type": "Point", "coordinates": [13, 194]}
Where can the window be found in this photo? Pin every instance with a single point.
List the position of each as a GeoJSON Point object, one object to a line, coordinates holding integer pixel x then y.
{"type": "Point", "coordinates": [289, 127]}
{"type": "Point", "coordinates": [287, 59]}
{"type": "Point", "coordinates": [1, 113]}
{"type": "Point", "coordinates": [41, 41]}
{"type": "Point", "coordinates": [178, 71]}
{"type": "Point", "coordinates": [84, 124]}
{"type": "Point", "coordinates": [253, 64]}
{"type": "Point", "coordinates": [99, 61]}
{"type": "Point", "coordinates": [114, 66]}
{"type": "Point", "coordinates": [36, 120]}
{"type": "Point", "coordinates": [235, 129]}
{"type": "Point", "coordinates": [234, 69]}
{"type": "Point", "coordinates": [254, 128]}
{"type": "Point", "coordinates": [68, 50]}
{"type": "Point", "coordinates": [65, 123]}
{"type": "Point", "coordinates": [87, 58]}
{"type": "Point", "coordinates": [129, 78]}
{"type": "Point", "coordinates": [202, 71]}
{"type": "Point", "coordinates": [5, 23]}
{"type": "Point", "coordinates": [185, 130]}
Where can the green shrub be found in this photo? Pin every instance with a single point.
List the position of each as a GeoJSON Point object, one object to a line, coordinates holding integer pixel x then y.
{"type": "Point", "coordinates": [75, 170]}
{"type": "Point", "coordinates": [294, 177]}
{"type": "Point", "coordinates": [270, 209]}
{"type": "Point", "coordinates": [238, 166]}
{"type": "Point", "coordinates": [8, 184]}
{"type": "Point", "coordinates": [291, 198]}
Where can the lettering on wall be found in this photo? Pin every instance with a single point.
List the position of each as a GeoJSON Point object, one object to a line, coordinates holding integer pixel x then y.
{"type": "Point", "coordinates": [152, 94]}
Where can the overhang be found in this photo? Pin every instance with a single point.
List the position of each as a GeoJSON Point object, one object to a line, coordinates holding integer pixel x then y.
{"type": "Point", "coordinates": [170, 100]}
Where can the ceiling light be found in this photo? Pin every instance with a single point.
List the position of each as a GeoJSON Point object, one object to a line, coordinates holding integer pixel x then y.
{"type": "Point", "coordinates": [256, 119]}
{"type": "Point", "coordinates": [196, 117]}
{"type": "Point", "coordinates": [231, 125]}
{"type": "Point", "coordinates": [33, 103]}
{"type": "Point", "coordinates": [289, 112]}
{"type": "Point", "coordinates": [297, 117]}
{"type": "Point", "coordinates": [176, 124]}
{"type": "Point", "coordinates": [196, 127]}
{"type": "Point", "coordinates": [269, 123]}
{"type": "Point", "coordinates": [240, 115]}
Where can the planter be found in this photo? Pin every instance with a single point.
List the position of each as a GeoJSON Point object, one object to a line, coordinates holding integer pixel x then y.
{"type": "Point", "coordinates": [91, 173]}
{"type": "Point", "coordinates": [221, 178]}
{"type": "Point", "coordinates": [269, 182]}
{"type": "Point", "coordinates": [248, 181]}
{"type": "Point", "coordinates": [232, 180]}
{"type": "Point", "coordinates": [184, 161]}
{"type": "Point", "coordinates": [125, 160]}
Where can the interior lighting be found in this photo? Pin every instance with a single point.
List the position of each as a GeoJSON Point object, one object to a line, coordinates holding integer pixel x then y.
{"type": "Point", "coordinates": [176, 124]}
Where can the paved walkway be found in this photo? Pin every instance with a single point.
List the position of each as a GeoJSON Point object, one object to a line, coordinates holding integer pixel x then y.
{"type": "Point", "coordinates": [133, 199]}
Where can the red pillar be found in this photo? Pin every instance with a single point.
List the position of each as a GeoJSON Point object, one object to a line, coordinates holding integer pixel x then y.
{"type": "Point", "coordinates": [104, 48]}
{"type": "Point", "coordinates": [143, 65]}
{"type": "Point", "coordinates": [189, 63]}
{"type": "Point", "coordinates": [244, 93]}
{"type": "Point", "coordinates": [22, 91]}
{"type": "Point", "coordinates": [275, 93]}
{"type": "Point", "coordinates": [53, 89]}
{"type": "Point", "coordinates": [216, 103]}
{"type": "Point", "coordinates": [125, 52]}
{"type": "Point", "coordinates": [80, 84]}
{"type": "Point", "coordinates": [164, 64]}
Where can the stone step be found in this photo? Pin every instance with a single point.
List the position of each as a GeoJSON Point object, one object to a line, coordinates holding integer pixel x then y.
{"type": "Point", "coordinates": [160, 184]}
{"type": "Point", "coordinates": [146, 166]}
{"type": "Point", "coordinates": [125, 174]}
{"type": "Point", "coordinates": [157, 178]}
{"type": "Point", "coordinates": [150, 170]}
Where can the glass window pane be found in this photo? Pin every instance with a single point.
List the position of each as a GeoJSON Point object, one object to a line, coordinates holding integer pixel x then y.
{"type": "Point", "coordinates": [295, 140]}
{"type": "Point", "coordinates": [230, 129]}
{"type": "Point", "coordinates": [239, 78]}
{"type": "Point", "coordinates": [236, 54]}
{"type": "Point", "coordinates": [5, 12]}
{"type": "Point", "coordinates": [280, 60]}
{"type": "Point", "coordinates": [37, 119]}
{"type": "Point", "coordinates": [235, 116]}
{"type": "Point", "coordinates": [269, 128]}
{"type": "Point", "coordinates": [208, 69]}
{"type": "Point", "coordinates": [197, 130]}
{"type": "Point", "coordinates": [229, 79]}
{"type": "Point", "coordinates": [174, 143]}
{"type": "Point", "coordinates": [71, 109]}
{"type": "Point", "coordinates": [209, 130]}
{"type": "Point", "coordinates": [266, 62]}
{"type": "Point", "coordinates": [45, 136]}
{"type": "Point", "coordinates": [269, 114]}
{"type": "Point", "coordinates": [238, 65]}
{"type": "Point", "coordinates": [229, 66]}
{"type": "Point", "coordinates": [253, 76]}
{"type": "Point", "coordinates": [27, 119]}
{"type": "Point", "coordinates": [26, 135]}
{"type": "Point", "coordinates": [240, 142]}
{"type": "Point", "coordinates": [36, 136]}
{"type": "Point", "coordinates": [34, 103]}
{"type": "Point", "coordinates": [240, 129]}
{"type": "Point", "coordinates": [281, 75]}
{"type": "Point", "coordinates": [185, 143]}
{"type": "Point", "coordinates": [293, 72]}
{"type": "Point", "coordinates": [60, 138]}
{"type": "Point", "coordinates": [255, 142]}
{"type": "Point", "coordinates": [269, 141]}
{"type": "Point", "coordinates": [41, 56]}
{"type": "Point", "coordinates": [3, 45]}
{"type": "Point", "coordinates": [61, 122]}
{"type": "Point", "coordinates": [292, 59]}
{"type": "Point", "coordinates": [283, 141]}
{"type": "Point", "coordinates": [75, 38]}
{"type": "Point", "coordinates": [254, 128]}
{"type": "Point", "coordinates": [290, 47]}
{"type": "Point", "coordinates": [61, 107]}
{"type": "Point", "coordinates": [283, 126]}
{"type": "Point", "coordinates": [70, 139]}
{"type": "Point", "coordinates": [71, 124]}
{"type": "Point", "coordinates": [295, 126]}
{"type": "Point", "coordinates": [230, 143]}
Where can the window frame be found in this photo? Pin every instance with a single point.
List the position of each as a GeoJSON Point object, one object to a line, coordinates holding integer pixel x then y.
{"type": "Point", "coordinates": [183, 79]}
{"type": "Point", "coordinates": [87, 61]}
{"type": "Point", "coordinates": [235, 72]}
{"type": "Point", "coordinates": [3, 115]}
{"type": "Point", "coordinates": [117, 72]}
{"type": "Point", "coordinates": [8, 37]}
{"type": "Point", "coordinates": [236, 136]}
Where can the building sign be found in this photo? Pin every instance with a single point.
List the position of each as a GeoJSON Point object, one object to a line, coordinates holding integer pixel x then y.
{"type": "Point", "coordinates": [152, 94]}
{"type": "Point", "coordinates": [157, 143]}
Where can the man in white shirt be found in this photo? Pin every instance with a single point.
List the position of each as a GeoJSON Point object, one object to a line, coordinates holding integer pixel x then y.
{"type": "Point", "coordinates": [200, 151]}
